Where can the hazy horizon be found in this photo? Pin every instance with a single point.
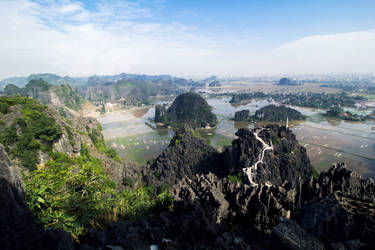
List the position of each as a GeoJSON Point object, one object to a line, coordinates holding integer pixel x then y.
{"type": "Point", "coordinates": [187, 39]}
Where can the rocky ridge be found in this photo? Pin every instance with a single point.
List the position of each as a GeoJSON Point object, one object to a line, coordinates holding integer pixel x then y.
{"type": "Point", "coordinates": [216, 206]}
{"type": "Point", "coordinates": [288, 210]}
{"type": "Point", "coordinates": [73, 132]}
{"type": "Point", "coordinates": [56, 95]}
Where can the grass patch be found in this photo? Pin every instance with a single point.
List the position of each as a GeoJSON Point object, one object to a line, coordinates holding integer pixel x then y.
{"type": "Point", "coordinates": [98, 140]}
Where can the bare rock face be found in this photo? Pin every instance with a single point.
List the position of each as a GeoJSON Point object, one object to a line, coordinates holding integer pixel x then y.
{"type": "Point", "coordinates": [289, 235]}
{"type": "Point", "coordinates": [274, 150]}
{"type": "Point", "coordinates": [185, 156]}
{"type": "Point", "coordinates": [344, 211]}
{"type": "Point", "coordinates": [18, 229]}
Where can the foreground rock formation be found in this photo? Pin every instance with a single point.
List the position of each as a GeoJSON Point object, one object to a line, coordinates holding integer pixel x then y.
{"type": "Point", "coordinates": [18, 229]}
{"type": "Point", "coordinates": [217, 205]}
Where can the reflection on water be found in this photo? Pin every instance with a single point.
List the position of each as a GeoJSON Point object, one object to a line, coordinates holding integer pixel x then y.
{"type": "Point", "coordinates": [136, 137]}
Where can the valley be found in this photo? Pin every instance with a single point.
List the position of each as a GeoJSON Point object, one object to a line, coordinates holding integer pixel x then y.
{"type": "Point", "coordinates": [327, 141]}
{"type": "Point", "coordinates": [116, 148]}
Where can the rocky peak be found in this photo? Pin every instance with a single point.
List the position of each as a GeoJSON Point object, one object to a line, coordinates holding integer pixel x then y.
{"type": "Point", "coordinates": [187, 109]}
{"type": "Point", "coordinates": [339, 179]}
{"type": "Point", "coordinates": [270, 154]}
{"type": "Point", "coordinates": [185, 156]}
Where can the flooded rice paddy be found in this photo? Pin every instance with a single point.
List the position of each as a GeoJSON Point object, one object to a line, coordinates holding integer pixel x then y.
{"type": "Point", "coordinates": [135, 136]}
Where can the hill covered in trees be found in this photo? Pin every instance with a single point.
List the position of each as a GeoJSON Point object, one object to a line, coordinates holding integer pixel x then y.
{"type": "Point", "coordinates": [270, 113]}
{"type": "Point", "coordinates": [188, 108]}
{"type": "Point", "coordinates": [46, 93]}
{"type": "Point", "coordinates": [287, 82]}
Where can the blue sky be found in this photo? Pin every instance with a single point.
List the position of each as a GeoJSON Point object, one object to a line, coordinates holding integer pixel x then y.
{"type": "Point", "coordinates": [187, 38]}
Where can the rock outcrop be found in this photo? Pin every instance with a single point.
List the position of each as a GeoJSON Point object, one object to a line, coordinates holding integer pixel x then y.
{"type": "Point", "coordinates": [243, 115]}
{"type": "Point", "coordinates": [270, 113]}
{"type": "Point", "coordinates": [285, 160]}
{"type": "Point", "coordinates": [287, 209]}
{"type": "Point", "coordinates": [343, 210]}
{"type": "Point", "coordinates": [220, 204]}
{"type": "Point", "coordinates": [57, 95]}
{"type": "Point", "coordinates": [187, 109]}
{"type": "Point", "coordinates": [185, 156]}
{"type": "Point", "coordinates": [287, 82]}
{"type": "Point", "coordinates": [18, 229]}
{"type": "Point", "coordinates": [289, 235]}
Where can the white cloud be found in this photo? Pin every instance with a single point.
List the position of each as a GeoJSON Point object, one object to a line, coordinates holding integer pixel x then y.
{"type": "Point", "coordinates": [70, 8]}
{"type": "Point", "coordinates": [44, 38]}
{"type": "Point", "coordinates": [63, 37]}
{"type": "Point", "coordinates": [344, 52]}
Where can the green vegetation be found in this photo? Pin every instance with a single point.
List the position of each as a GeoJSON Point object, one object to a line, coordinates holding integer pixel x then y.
{"type": "Point", "coordinates": [34, 130]}
{"type": "Point", "coordinates": [70, 136]}
{"type": "Point", "coordinates": [303, 99]}
{"type": "Point", "coordinates": [276, 140]}
{"type": "Point", "coordinates": [270, 113]}
{"type": "Point", "coordinates": [98, 140]}
{"type": "Point", "coordinates": [235, 178]}
{"type": "Point", "coordinates": [315, 173]}
{"type": "Point", "coordinates": [68, 96]}
{"type": "Point", "coordinates": [187, 109]}
{"type": "Point", "coordinates": [75, 194]}
{"type": "Point", "coordinates": [38, 89]}
{"type": "Point", "coordinates": [339, 113]}
{"type": "Point", "coordinates": [133, 92]}
{"type": "Point", "coordinates": [273, 113]}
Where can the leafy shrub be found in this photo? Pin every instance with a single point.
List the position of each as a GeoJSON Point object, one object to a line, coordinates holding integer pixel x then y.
{"type": "Point", "coordinates": [235, 178]}
{"type": "Point", "coordinates": [98, 140]}
{"type": "Point", "coordinates": [75, 194]}
{"type": "Point", "coordinates": [315, 173]}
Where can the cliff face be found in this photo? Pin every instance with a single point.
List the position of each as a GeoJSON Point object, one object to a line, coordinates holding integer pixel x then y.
{"type": "Point", "coordinates": [187, 109]}
{"type": "Point", "coordinates": [259, 193]}
{"type": "Point", "coordinates": [57, 95]}
{"type": "Point", "coordinates": [130, 91]}
{"type": "Point", "coordinates": [31, 132]}
{"type": "Point", "coordinates": [217, 208]}
{"type": "Point", "coordinates": [18, 229]}
{"type": "Point", "coordinates": [270, 154]}
{"type": "Point", "coordinates": [185, 156]}
{"type": "Point", "coordinates": [77, 131]}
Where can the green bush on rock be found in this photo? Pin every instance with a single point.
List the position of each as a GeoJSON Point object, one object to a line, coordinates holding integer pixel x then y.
{"type": "Point", "coordinates": [75, 194]}
{"type": "Point", "coordinates": [33, 130]}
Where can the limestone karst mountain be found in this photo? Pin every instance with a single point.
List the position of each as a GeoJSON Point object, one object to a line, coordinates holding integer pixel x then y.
{"type": "Point", "coordinates": [189, 109]}
{"type": "Point", "coordinates": [260, 192]}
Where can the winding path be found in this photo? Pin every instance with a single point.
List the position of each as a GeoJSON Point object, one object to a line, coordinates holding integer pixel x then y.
{"type": "Point", "coordinates": [251, 171]}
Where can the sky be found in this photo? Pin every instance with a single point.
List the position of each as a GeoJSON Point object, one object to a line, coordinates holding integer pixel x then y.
{"type": "Point", "coordinates": [186, 38]}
